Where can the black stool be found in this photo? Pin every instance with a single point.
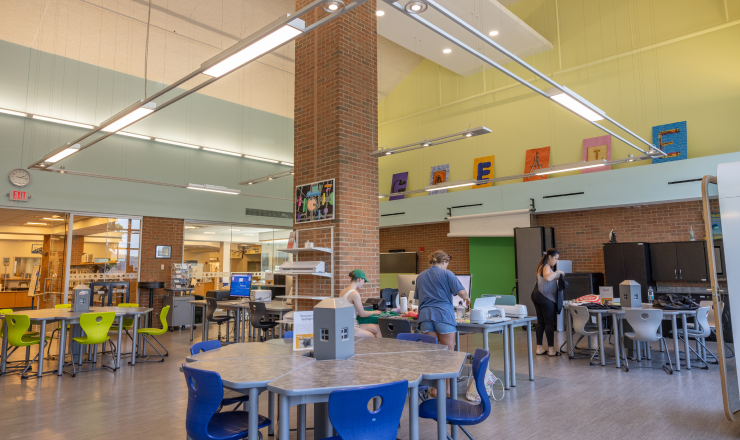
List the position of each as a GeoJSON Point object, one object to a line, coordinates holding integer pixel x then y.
{"type": "Point", "coordinates": [212, 306]}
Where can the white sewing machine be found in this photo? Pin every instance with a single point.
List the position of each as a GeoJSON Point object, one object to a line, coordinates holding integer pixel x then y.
{"type": "Point", "coordinates": [484, 309]}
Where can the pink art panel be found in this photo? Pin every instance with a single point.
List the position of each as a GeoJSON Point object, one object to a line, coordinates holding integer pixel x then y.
{"type": "Point", "coordinates": [597, 148]}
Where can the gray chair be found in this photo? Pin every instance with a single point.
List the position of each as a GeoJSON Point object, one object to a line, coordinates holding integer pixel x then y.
{"type": "Point", "coordinates": [646, 325]}
{"type": "Point", "coordinates": [583, 327]}
{"type": "Point", "coordinates": [699, 332]}
{"type": "Point", "coordinates": [392, 327]}
{"type": "Point", "coordinates": [212, 306]}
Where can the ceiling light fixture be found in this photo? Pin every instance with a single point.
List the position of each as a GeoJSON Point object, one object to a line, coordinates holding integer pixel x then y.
{"type": "Point", "coordinates": [493, 33]}
{"type": "Point", "coordinates": [268, 178]}
{"type": "Point", "coordinates": [447, 51]}
{"type": "Point", "coordinates": [61, 121]}
{"type": "Point", "coordinates": [574, 102]}
{"type": "Point", "coordinates": [190, 227]}
{"type": "Point", "coordinates": [64, 153]}
{"type": "Point", "coordinates": [415, 7]}
{"type": "Point", "coordinates": [477, 131]}
{"type": "Point", "coordinates": [12, 112]}
{"type": "Point", "coordinates": [261, 158]}
{"type": "Point", "coordinates": [137, 136]}
{"type": "Point", "coordinates": [212, 233]}
{"type": "Point", "coordinates": [37, 224]}
{"type": "Point", "coordinates": [333, 6]}
{"type": "Point", "coordinates": [180, 144]}
{"type": "Point", "coordinates": [54, 219]}
{"type": "Point", "coordinates": [286, 163]}
{"type": "Point", "coordinates": [571, 167]}
{"type": "Point", "coordinates": [128, 116]}
{"type": "Point", "coordinates": [232, 58]}
{"type": "Point", "coordinates": [213, 188]}
{"type": "Point", "coordinates": [230, 153]}
{"type": "Point", "coordinates": [380, 13]}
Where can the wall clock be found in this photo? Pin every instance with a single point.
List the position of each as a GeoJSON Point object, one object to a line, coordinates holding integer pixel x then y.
{"type": "Point", "coordinates": [19, 177]}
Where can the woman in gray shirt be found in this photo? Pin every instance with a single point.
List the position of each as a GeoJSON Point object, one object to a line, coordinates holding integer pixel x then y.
{"type": "Point", "coordinates": [545, 301]}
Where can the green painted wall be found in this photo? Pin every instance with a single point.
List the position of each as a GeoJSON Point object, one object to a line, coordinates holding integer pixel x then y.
{"type": "Point", "coordinates": [492, 265]}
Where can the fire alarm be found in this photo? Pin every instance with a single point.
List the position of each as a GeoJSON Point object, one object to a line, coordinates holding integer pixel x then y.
{"type": "Point", "coordinates": [421, 249]}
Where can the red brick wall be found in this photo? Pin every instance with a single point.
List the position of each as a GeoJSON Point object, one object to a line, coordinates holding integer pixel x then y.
{"type": "Point", "coordinates": [336, 124]}
{"type": "Point", "coordinates": [158, 231]}
{"type": "Point", "coordinates": [431, 237]}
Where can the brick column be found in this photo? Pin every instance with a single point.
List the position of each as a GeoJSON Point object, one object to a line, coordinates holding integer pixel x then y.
{"type": "Point", "coordinates": [158, 231]}
{"type": "Point", "coordinates": [336, 127]}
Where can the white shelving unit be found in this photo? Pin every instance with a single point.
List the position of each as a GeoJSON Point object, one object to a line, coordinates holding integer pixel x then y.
{"type": "Point", "coordinates": [297, 251]}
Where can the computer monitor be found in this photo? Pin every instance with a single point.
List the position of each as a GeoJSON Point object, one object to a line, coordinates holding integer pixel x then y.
{"type": "Point", "coordinates": [467, 281]}
{"type": "Point", "coordinates": [407, 283]}
{"type": "Point", "coordinates": [241, 284]}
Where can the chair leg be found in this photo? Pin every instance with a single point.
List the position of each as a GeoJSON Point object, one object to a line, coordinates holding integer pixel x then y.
{"type": "Point", "coordinates": [705, 349]}
{"type": "Point", "coordinates": [146, 341]}
{"type": "Point", "coordinates": [466, 432]}
{"type": "Point", "coordinates": [625, 364]}
{"type": "Point", "coordinates": [668, 353]}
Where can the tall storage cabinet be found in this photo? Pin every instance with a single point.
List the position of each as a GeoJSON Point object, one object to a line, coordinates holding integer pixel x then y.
{"type": "Point", "coordinates": [628, 261]}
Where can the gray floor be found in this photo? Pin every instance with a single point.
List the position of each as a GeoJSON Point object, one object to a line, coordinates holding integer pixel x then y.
{"type": "Point", "coordinates": [568, 399]}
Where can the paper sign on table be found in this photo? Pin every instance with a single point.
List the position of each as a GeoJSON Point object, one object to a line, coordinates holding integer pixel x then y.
{"type": "Point", "coordinates": [302, 331]}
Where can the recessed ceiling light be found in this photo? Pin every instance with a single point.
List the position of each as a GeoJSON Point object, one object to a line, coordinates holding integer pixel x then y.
{"type": "Point", "coordinates": [415, 7]}
{"type": "Point", "coordinates": [236, 230]}
{"type": "Point", "coordinates": [54, 219]}
{"type": "Point", "coordinates": [493, 33]}
{"type": "Point", "coordinates": [209, 232]}
{"type": "Point", "coordinates": [189, 227]}
{"type": "Point", "coordinates": [380, 13]}
{"type": "Point", "coordinates": [333, 6]}
{"type": "Point", "coordinates": [447, 51]}
{"type": "Point", "coordinates": [36, 224]}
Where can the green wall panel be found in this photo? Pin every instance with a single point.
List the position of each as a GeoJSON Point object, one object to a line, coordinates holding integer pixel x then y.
{"type": "Point", "coordinates": [492, 265]}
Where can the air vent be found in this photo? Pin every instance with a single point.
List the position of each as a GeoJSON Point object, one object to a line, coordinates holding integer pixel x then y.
{"type": "Point", "coordinates": [266, 213]}
{"type": "Point", "coordinates": [562, 195]}
{"type": "Point", "coordinates": [395, 213]}
{"type": "Point", "coordinates": [684, 181]}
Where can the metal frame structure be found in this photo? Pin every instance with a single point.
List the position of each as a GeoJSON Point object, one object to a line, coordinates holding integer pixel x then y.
{"type": "Point", "coordinates": [268, 177]}
{"type": "Point", "coordinates": [477, 131]}
{"type": "Point", "coordinates": [297, 250]}
{"type": "Point", "coordinates": [256, 36]}
{"type": "Point", "coordinates": [433, 4]}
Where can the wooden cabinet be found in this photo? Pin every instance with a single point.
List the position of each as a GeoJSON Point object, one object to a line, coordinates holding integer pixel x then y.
{"type": "Point", "coordinates": [679, 261]}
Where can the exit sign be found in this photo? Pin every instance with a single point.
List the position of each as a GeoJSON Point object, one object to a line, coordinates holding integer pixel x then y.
{"type": "Point", "coordinates": [19, 196]}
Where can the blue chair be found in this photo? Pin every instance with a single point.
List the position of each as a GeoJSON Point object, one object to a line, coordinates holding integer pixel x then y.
{"type": "Point", "coordinates": [417, 337]}
{"type": "Point", "coordinates": [230, 396]}
{"type": "Point", "coordinates": [203, 421]}
{"type": "Point", "coordinates": [461, 413]}
{"type": "Point", "coordinates": [352, 420]}
{"type": "Point", "coordinates": [288, 334]}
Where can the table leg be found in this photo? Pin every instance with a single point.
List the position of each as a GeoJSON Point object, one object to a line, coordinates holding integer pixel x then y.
{"type": "Point", "coordinates": [529, 351]}
{"type": "Point", "coordinates": [284, 415]}
{"type": "Point", "coordinates": [601, 340]}
{"type": "Point", "coordinates": [301, 412]}
{"type": "Point", "coordinates": [676, 350]}
{"type": "Point", "coordinates": [42, 343]}
{"type": "Point", "coordinates": [457, 341]}
{"type": "Point", "coordinates": [453, 395]}
{"type": "Point", "coordinates": [512, 370]}
{"type": "Point", "coordinates": [254, 406]}
{"type": "Point", "coordinates": [5, 346]}
{"type": "Point", "coordinates": [118, 351]}
{"type": "Point", "coordinates": [442, 409]}
{"type": "Point", "coordinates": [237, 333]}
{"type": "Point", "coordinates": [134, 343]}
{"type": "Point", "coordinates": [569, 329]}
{"type": "Point", "coordinates": [204, 336]}
{"type": "Point", "coordinates": [414, 413]}
{"type": "Point", "coordinates": [62, 347]}
{"type": "Point", "coordinates": [192, 320]}
{"type": "Point", "coordinates": [329, 428]}
{"type": "Point", "coordinates": [687, 346]}
{"type": "Point", "coordinates": [280, 326]}
{"type": "Point", "coordinates": [615, 333]}
{"type": "Point", "coordinates": [507, 361]}
{"type": "Point", "coordinates": [271, 412]}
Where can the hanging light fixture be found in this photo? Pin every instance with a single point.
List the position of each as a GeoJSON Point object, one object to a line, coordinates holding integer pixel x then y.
{"type": "Point", "coordinates": [128, 116]}
{"type": "Point", "coordinates": [574, 102]}
{"type": "Point", "coordinates": [64, 153]}
{"type": "Point", "coordinates": [61, 121]}
{"type": "Point", "coordinates": [267, 178]}
{"type": "Point", "coordinates": [571, 167]}
{"type": "Point", "coordinates": [415, 7]}
{"type": "Point", "coordinates": [333, 6]}
{"type": "Point", "coordinates": [213, 188]}
{"type": "Point", "coordinates": [477, 131]}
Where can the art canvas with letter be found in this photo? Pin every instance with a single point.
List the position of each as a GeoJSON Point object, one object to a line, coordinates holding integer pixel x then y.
{"type": "Point", "coordinates": [483, 169]}
{"type": "Point", "coordinates": [439, 174]}
{"type": "Point", "coordinates": [534, 160]}
{"type": "Point", "coordinates": [597, 148]}
{"type": "Point", "coordinates": [399, 184]}
{"type": "Point", "coordinates": [673, 140]}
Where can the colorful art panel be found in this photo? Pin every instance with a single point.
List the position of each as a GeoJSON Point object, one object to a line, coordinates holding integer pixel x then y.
{"type": "Point", "coordinates": [399, 184]}
{"type": "Point", "coordinates": [439, 174]}
{"type": "Point", "coordinates": [673, 139]}
{"type": "Point", "coordinates": [483, 169]}
{"type": "Point", "coordinates": [596, 148]}
{"type": "Point", "coordinates": [315, 201]}
{"type": "Point", "coordinates": [536, 159]}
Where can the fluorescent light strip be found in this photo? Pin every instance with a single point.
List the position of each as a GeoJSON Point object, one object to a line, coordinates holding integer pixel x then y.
{"type": "Point", "coordinates": [477, 131]}
{"type": "Point", "coordinates": [60, 121]}
{"type": "Point", "coordinates": [13, 112]}
{"type": "Point", "coordinates": [571, 167]}
{"type": "Point", "coordinates": [574, 105]}
{"type": "Point", "coordinates": [64, 153]}
{"type": "Point", "coordinates": [261, 158]}
{"type": "Point", "coordinates": [37, 224]}
{"type": "Point", "coordinates": [181, 144]}
{"type": "Point", "coordinates": [137, 136]}
{"type": "Point", "coordinates": [230, 153]}
{"type": "Point", "coordinates": [54, 219]}
{"type": "Point", "coordinates": [130, 118]}
{"type": "Point", "coordinates": [451, 185]}
{"type": "Point", "coordinates": [213, 188]}
{"type": "Point", "coordinates": [254, 50]}
{"type": "Point", "coordinates": [286, 163]}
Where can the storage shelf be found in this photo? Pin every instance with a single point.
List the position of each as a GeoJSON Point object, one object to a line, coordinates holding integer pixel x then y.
{"type": "Point", "coordinates": [318, 274]}
{"type": "Point", "coordinates": [299, 250]}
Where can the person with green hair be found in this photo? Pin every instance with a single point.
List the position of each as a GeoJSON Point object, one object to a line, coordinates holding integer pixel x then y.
{"type": "Point", "coordinates": [358, 279]}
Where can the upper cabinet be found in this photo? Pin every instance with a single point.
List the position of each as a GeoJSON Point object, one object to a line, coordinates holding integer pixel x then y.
{"type": "Point", "coordinates": [679, 261]}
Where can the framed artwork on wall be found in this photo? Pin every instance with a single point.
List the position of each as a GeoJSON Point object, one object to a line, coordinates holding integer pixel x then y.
{"type": "Point", "coordinates": [315, 201]}
{"type": "Point", "coordinates": [596, 148]}
{"type": "Point", "coordinates": [535, 159]}
{"type": "Point", "coordinates": [163, 252]}
{"type": "Point", "coordinates": [483, 169]}
{"type": "Point", "coordinates": [673, 139]}
{"type": "Point", "coordinates": [439, 174]}
{"type": "Point", "coordinates": [399, 184]}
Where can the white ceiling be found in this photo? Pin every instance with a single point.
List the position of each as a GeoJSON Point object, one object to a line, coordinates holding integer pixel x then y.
{"type": "Point", "coordinates": [486, 15]}
{"type": "Point", "coordinates": [228, 233]}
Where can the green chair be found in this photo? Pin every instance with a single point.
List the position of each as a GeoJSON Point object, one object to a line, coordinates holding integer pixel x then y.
{"type": "Point", "coordinates": [2, 332]}
{"type": "Point", "coordinates": [57, 306]}
{"type": "Point", "coordinates": [128, 324]}
{"type": "Point", "coordinates": [96, 327]}
{"type": "Point", "coordinates": [154, 332]}
{"type": "Point", "coordinates": [18, 325]}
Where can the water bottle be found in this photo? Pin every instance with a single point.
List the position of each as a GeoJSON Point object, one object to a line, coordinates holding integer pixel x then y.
{"type": "Point", "coordinates": [651, 296]}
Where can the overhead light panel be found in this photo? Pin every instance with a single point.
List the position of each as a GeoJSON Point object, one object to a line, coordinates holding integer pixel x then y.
{"type": "Point", "coordinates": [64, 153]}
{"type": "Point", "coordinates": [128, 117]}
{"type": "Point", "coordinates": [190, 227]}
{"type": "Point", "coordinates": [477, 131]}
{"type": "Point", "coordinates": [286, 163]}
{"type": "Point", "coordinates": [415, 7]}
{"type": "Point", "coordinates": [54, 219]}
{"type": "Point", "coordinates": [36, 224]}
{"type": "Point", "coordinates": [230, 153]}
{"type": "Point", "coordinates": [137, 136]}
{"type": "Point", "coordinates": [256, 48]}
{"type": "Point", "coordinates": [209, 232]}
{"type": "Point", "coordinates": [12, 112]}
{"type": "Point", "coordinates": [571, 167]}
{"type": "Point", "coordinates": [447, 51]}
{"type": "Point", "coordinates": [181, 144]}
{"type": "Point", "coordinates": [493, 33]}
{"type": "Point", "coordinates": [380, 13]}
{"type": "Point", "coordinates": [577, 104]}
{"type": "Point", "coordinates": [213, 188]}
{"type": "Point", "coordinates": [61, 121]}
{"type": "Point", "coordinates": [333, 6]}
{"type": "Point", "coordinates": [267, 178]}
{"type": "Point", "coordinates": [261, 158]}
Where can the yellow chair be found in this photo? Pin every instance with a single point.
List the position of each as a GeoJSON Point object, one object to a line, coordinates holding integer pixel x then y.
{"type": "Point", "coordinates": [18, 325]}
{"type": "Point", "coordinates": [153, 332]}
{"type": "Point", "coordinates": [57, 306]}
{"type": "Point", "coordinates": [96, 327]}
{"type": "Point", "coordinates": [128, 324]}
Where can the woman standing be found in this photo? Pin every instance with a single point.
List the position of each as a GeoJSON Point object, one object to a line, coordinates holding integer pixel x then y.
{"type": "Point", "coordinates": [545, 300]}
{"type": "Point", "coordinates": [358, 279]}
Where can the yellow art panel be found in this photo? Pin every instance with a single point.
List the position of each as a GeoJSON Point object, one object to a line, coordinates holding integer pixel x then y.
{"type": "Point", "coordinates": [483, 169]}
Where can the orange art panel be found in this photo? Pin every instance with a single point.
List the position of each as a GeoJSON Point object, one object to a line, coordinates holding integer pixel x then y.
{"type": "Point", "coordinates": [536, 159]}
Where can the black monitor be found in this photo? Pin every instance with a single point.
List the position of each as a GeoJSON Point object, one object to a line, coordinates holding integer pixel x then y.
{"type": "Point", "coordinates": [241, 285]}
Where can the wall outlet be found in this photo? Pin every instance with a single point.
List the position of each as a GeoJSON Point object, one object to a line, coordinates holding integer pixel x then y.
{"type": "Point", "coordinates": [161, 267]}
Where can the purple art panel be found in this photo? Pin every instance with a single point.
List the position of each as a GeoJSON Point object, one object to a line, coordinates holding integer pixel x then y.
{"type": "Point", "coordinates": [399, 184]}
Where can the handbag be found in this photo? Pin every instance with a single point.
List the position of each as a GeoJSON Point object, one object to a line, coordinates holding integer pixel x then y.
{"type": "Point", "coordinates": [562, 285]}
{"type": "Point", "coordinates": [472, 392]}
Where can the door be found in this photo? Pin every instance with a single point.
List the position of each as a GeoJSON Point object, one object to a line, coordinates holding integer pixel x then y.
{"type": "Point", "coordinates": [691, 257]}
{"type": "Point", "coordinates": [664, 263]}
{"type": "Point", "coordinates": [613, 266]}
